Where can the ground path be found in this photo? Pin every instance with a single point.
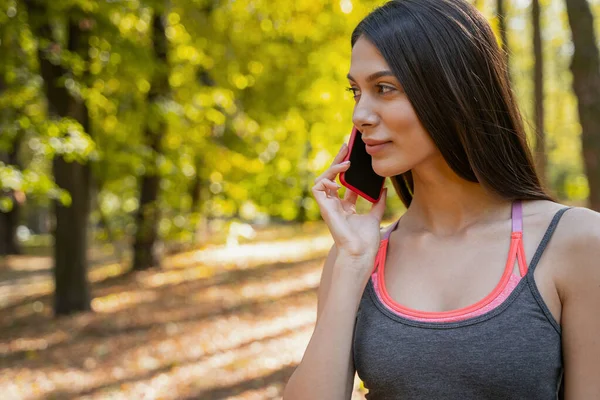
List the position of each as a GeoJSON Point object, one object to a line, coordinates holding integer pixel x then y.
{"type": "Point", "coordinates": [215, 323]}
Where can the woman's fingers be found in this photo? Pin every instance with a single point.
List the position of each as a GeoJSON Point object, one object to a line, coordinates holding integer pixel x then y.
{"type": "Point", "coordinates": [378, 208]}
{"type": "Point", "coordinates": [340, 155]}
{"type": "Point", "coordinates": [325, 193]}
{"type": "Point", "coordinates": [336, 166]}
{"type": "Point", "coordinates": [333, 171]}
{"type": "Point", "coordinates": [326, 186]}
{"type": "Point", "coordinates": [350, 196]}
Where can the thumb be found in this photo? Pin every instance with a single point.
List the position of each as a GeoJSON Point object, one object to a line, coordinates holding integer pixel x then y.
{"type": "Point", "coordinates": [379, 208]}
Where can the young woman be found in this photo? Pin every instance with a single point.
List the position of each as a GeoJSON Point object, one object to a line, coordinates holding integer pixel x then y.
{"type": "Point", "coordinates": [485, 288]}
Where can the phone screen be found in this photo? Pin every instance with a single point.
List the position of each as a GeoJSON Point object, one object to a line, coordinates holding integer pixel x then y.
{"type": "Point", "coordinates": [360, 177]}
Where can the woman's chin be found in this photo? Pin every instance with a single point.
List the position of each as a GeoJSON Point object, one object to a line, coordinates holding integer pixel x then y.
{"type": "Point", "coordinates": [384, 170]}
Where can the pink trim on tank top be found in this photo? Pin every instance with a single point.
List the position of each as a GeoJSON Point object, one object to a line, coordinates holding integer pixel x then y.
{"type": "Point", "coordinates": [503, 289]}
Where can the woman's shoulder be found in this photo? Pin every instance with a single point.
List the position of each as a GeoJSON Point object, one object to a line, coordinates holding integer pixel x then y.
{"type": "Point", "coordinates": [576, 241]}
{"type": "Point", "coordinates": [577, 277]}
{"type": "Point", "coordinates": [577, 224]}
{"type": "Point", "coordinates": [580, 229]}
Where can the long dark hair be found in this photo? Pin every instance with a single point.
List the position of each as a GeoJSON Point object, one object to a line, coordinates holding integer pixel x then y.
{"type": "Point", "coordinates": [445, 55]}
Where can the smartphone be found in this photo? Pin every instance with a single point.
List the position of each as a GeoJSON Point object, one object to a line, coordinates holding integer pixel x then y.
{"type": "Point", "coordinates": [360, 177]}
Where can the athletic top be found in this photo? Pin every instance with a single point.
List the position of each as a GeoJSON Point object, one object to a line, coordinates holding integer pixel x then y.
{"type": "Point", "coordinates": [505, 346]}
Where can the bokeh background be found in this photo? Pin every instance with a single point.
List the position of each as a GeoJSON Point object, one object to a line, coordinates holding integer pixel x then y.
{"type": "Point", "coordinates": [158, 237]}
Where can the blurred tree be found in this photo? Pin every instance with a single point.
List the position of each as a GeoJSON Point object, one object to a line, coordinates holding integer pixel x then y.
{"type": "Point", "coordinates": [25, 182]}
{"type": "Point", "coordinates": [146, 254]}
{"type": "Point", "coordinates": [538, 82]}
{"type": "Point", "coordinates": [199, 180]}
{"type": "Point", "coordinates": [9, 150]}
{"type": "Point", "coordinates": [255, 109]}
{"type": "Point", "coordinates": [585, 67]}
{"type": "Point", "coordinates": [9, 218]}
{"type": "Point", "coordinates": [67, 108]}
{"type": "Point", "coordinates": [13, 119]}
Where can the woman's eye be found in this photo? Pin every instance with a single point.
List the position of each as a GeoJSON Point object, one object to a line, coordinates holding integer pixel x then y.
{"type": "Point", "coordinates": [353, 90]}
{"type": "Point", "coordinates": [383, 89]}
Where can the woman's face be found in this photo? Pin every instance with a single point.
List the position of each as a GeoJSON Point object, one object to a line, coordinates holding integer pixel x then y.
{"type": "Point", "coordinates": [383, 113]}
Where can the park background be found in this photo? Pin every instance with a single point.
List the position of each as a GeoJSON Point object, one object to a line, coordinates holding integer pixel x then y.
{"type": "Point", "coordinates": [158, 237]}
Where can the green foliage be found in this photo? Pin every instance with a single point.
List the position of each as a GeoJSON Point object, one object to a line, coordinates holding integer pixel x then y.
{"type": "Point", "coordinates": [258, 107]}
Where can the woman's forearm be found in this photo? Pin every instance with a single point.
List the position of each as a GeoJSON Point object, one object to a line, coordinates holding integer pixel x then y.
{"type": "Point", "coordinates": [327, 369]}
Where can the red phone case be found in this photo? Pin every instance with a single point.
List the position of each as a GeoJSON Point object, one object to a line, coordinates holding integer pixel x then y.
{"type": "Point", "coordinates": [342, 174]}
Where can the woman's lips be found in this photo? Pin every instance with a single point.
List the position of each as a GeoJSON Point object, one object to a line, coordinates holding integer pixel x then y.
{"type": "Point", "coordinates": [373, 149]}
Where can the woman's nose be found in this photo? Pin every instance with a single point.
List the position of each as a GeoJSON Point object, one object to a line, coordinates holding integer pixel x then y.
{"type": "Point", "coordinates": [363, 116]}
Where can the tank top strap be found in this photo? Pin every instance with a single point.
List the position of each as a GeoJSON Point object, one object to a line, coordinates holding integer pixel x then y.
{"type": "Point", "coordinates": [382, 251]}
{"type": "Point", "coordinates": [517, 220]}
{"type": "Point", "coordinates": [517, 216]}
{"type": "Point", "coordinates": [517, 250]}
{"type": "Point", "coordinates": [546, 239]}
{"type": "Point", "coordinates": [389, 231]}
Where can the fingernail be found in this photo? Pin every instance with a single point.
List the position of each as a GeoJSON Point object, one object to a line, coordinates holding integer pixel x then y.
{"type": "Point", "coordinates": [346, 162]}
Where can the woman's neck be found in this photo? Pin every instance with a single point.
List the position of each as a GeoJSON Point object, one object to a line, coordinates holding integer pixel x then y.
{"type": "Point", "coordinates": [445, 205]}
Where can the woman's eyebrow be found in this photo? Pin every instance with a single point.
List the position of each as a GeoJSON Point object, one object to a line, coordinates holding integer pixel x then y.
{"type": "Point", "coordinates": [374, 76]}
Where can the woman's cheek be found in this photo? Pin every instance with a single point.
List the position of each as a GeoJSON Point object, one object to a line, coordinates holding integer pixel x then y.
{"type": "Point", "coordinates": [392, 166]}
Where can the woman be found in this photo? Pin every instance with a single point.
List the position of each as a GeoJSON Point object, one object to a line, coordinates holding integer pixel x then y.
{"type": "Point", "coordinates": [485, 288]}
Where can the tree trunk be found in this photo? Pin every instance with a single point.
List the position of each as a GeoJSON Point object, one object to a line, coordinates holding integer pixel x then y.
{"type": "Point", "coordinates": [70, 236]}
{"type": "Point", "coordinates": [538, 81]}
{"type": "Point", "coordinates": [145, 249]}
{"type": "Point", "coordinates": [195, 192]}
{"type": "Point", "coordinates": [306, 181]}
{"type": "Point", "coordinates": [71, 292]}
{"type": "Point", "coordinates": [197, 185]}
{"type": "Point", "coordinates": [70, 239]}
{"type": "Point", "coordinates": [585, 67]}
{"type": "Point", "coordinates": [9, 221]}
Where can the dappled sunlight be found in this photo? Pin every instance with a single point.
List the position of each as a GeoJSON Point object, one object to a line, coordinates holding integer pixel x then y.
{"type": "Point", "coordinates": [251, 254]}
{"type": "Point", "coordinates": [118, 301]}
{"type": "Point", "coordinates": [261, 289]}
{"type": "Point", "coordinates": [173, 277]}
{"type": "Point", "coordinates": [27, 263]}
{"type": "Point", "coordinates": [103, 272]}
{"type": "Point", "coordinates": [188, 305]}
{"type": "Point", "coordinates": [188, 356]}
{"type": "Point", "coordinates": [183, 267]}
{"type": "Point", "coordinates": [217, 372]}
{"type": "Point", "coordinates": [39, 263]}
{"type": "Point", "coordinates": [28, 309]}
{"type": "Point", "coordinates": [32, 344]}
{"type": "Point", "coordinates": [207, 262]}
{"type": "Point", "coordinates": [232, 324]}
{"type": "Point", "coordinates": [11, 294]}
{"type": "Point", "coordinates": [248, 255]}
{"type": "Point", "coordinates": [41, 285]}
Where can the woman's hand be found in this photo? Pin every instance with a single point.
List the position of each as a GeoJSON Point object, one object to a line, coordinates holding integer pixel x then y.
{"type": "Point", "coordinates": [355, 235]}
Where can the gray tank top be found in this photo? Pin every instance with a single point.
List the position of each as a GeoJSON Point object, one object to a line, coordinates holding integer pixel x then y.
{"type": "Point", "coordinates": [512, 351]}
